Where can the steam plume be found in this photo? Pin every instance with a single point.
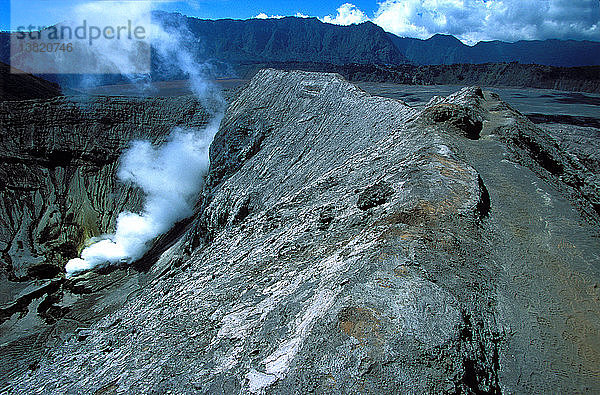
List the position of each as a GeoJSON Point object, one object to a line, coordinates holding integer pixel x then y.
{"type": "Point", "coordinates": [171, 176]}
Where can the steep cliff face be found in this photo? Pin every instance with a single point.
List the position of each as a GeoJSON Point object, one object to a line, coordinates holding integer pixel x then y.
{"type": "Point", "coordinates": [59, 161]}
{"type": "Point", "coordinates": [287, 39]}
{"type": "Point", "coordinates": [350, 243]}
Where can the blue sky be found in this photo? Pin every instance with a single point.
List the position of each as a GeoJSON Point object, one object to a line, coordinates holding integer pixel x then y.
{"type": "Point", "coordinates": [248, 9]}
{"type": "Point", "coordinates": [41, 10]}
{"type": "Point", "coordinates": [469, 20]}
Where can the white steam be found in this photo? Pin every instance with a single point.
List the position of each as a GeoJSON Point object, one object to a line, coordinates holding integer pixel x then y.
{"type": "Point", "coordinates": [172, 175]}
{"type": "Point", "coordinates": [160, 46]}
{"type": "Point", "coordinates": [173, 55]}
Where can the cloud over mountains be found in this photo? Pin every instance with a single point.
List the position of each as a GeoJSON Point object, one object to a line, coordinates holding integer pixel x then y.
{"type": "Point", "coordinates": [477, 20]}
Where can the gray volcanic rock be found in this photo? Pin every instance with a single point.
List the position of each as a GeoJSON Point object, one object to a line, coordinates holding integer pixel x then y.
{"type": "Point", "coordinates": [351, 243]}
{"type": "Point", "coordinates": [579, 140]}
{"type": "Point", "coordinates": [543, 153]}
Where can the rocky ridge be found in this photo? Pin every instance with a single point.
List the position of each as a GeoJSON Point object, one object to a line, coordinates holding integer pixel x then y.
{"type": "Point", "coordinates": [346, 242]}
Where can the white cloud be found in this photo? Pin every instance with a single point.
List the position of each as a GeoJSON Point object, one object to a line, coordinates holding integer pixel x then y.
{"type": "Point", "coordinates": [476, 20]}
{"type": "Point", "coordinates": [262, 15]}
{"type": "Point", "coordinates": [423, 18]}
{"type": "Point", "coordinates": [347, 14]}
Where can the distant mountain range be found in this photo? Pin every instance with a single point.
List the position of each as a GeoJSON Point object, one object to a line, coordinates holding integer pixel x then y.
{"type": "Point", "coordinates": [578, 79]}
{"type": "Point", "coordinates": [237, 47]}
{"type": "Point", "coordinates": [310, 40]}
{"type": "Point", "coordinates": [293, 39]}
{"type": "Point", "coordinates": [443, 49]}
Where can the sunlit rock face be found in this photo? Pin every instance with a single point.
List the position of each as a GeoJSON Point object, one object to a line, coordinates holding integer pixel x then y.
{"type": "Point", "coordinates": [349, 243]}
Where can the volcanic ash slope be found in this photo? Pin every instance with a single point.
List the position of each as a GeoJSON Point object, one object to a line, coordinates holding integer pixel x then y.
{"type": "Point", "coordinates": [345, 243]}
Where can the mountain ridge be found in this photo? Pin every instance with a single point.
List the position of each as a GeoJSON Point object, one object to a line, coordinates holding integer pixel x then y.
{"type": "Point", "coordinates": [311, 40]}
{"type": "Point", "coordinates": [439, 49]}
{"type": "Point", "coordinates": [552, 52]}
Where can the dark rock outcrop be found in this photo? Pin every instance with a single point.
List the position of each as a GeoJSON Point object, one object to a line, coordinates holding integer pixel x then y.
{"type": "Point", "coordinates": [374, 195]}
{"type": "Point", "coordinates": [15, 85]}
{"type": "Point", "coordinates": [351, 243]}
{"type": "Point", "coordinates": [460, 117]}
